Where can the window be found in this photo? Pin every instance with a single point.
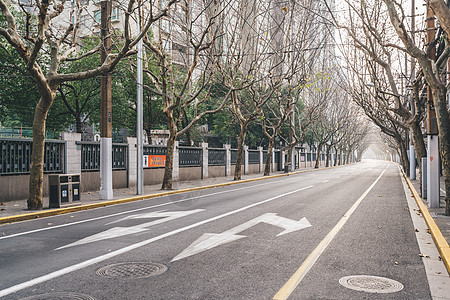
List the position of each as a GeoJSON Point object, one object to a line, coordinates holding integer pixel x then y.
{"type": "Point", "coordinates": [115, 14]}
{"type": "Point", "coordinates": [98, 16]}
{"type": "Point", "coordinates": [165, 25]}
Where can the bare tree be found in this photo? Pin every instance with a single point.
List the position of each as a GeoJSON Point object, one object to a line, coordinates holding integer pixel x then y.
{"type": "Point", "coordinates": [432, 72]}
{"type": "Point", "coordinates": [184, 80]}
{"type": "Point", "coordinates": [44, 44]}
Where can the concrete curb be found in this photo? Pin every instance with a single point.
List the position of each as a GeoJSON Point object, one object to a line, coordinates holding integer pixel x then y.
{"type": "Point", "coordinates": [439, 239]}
{"type": "Point", "coordinates": [59, 211]}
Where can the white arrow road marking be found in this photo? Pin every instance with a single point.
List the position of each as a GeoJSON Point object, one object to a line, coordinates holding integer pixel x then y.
{"type": "Point", "coordinates": [122, 231]}
{"type": "Point", "coordinates": [211, 240]}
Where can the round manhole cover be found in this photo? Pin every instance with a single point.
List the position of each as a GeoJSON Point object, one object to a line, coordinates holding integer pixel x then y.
{"type": "Point", "coordinates": [60, 296]}
{"type": "Point", "coordinates": [371, 284]}
{"type": "Point", "coordinates": [132, 270]}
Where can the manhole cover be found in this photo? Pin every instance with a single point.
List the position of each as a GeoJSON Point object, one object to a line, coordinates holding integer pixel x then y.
{"type": "Point", "coordinates": [132, 270]}
{"type": "Point", "coordinates": [371, 284]}
{"type": "Point", "coordinates": [60, 296]}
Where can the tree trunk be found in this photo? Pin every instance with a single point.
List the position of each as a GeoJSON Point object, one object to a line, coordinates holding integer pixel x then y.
{"type": "Point", "coordinates": [319, 149]}
{"type": "Point", "coordinates": [240, 154]}
{"type": "Point", "coordinates": [35, 200]}
{"type": "Point", "coordinates": [269, 157]}
{"type": "Point", "coordinates": [327, 162]}
{"type": "Point", "coordinates": [168, 169]}
{"type": "Point", "coordinates": [419, 146]}
{"type": "Point", "coordinates": [443, 122]}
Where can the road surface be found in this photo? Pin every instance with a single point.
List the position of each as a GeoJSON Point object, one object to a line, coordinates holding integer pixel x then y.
{"type": "Point", "coordinates": [303, 236]}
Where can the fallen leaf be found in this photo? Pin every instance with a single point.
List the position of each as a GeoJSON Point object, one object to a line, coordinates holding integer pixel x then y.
{"type": "Point", "coordinates": [416, 230]}
{"type": "Point", "coordinates": [396, 262]}
{"type": "Point", "coordinates": [72, 216]}
{"type": "Point", "coordinates": [2, 209]}
{"type": "Point", "coordinates": [380, 196]}
{"type": "Point", "coordinates": [428, 242]}
{"type": "Point", "coordinates": [440, 258]}
{"type": "Point", "coordinates": [49, 223]}
{"type": "Point", "coordinates": [424, 255]}
{"type": "Point", "coordinates": [16, 205]}
{"type": "Point", "coordinates": [3, 204]}
{"type": "Point", "coordinates": [438, 272]}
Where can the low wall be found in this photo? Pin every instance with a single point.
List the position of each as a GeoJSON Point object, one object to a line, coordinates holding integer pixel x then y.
{"type": "Point", "coordinates": [90, 181]}
{"type": "Point", "coordinates": [216, 171]}
{"type": "Point", "coordinates": [15, 187]}
{"type": "Point", "coordinates": [253, 169]}
{"type": "Point", "coordinates": [190, 173]}
{"type": "Point", "coordinates": [153, 176]}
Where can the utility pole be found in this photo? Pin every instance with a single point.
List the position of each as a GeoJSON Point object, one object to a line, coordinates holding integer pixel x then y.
{"type": "Point", "coordinates": [433, 194]}
{"type": "Point", "coordinates": [140, 117]}
{"type": "Point", "coordinates": [412, 152]}
{"type": "Point", "coordinates": [106, 190]}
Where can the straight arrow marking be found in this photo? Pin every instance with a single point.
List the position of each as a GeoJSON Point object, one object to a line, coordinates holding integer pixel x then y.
{"type": "Point", "coordinates": [122, 231]}
{"type": "Point", "coordinates": [211, 240]}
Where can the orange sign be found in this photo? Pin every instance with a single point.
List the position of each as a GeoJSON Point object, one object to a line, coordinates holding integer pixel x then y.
{"type": "Point", "coordinates": [154, 161]}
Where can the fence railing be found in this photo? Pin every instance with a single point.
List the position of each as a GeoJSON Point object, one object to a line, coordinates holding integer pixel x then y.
{"type": "Point", "coordinates": [253, 156]}
{"type": "Point", "coordinates": [216, 157]}
{"type": "Point", "coordinates": [190, 156]}
{"type": "Point", "coordinates": [15, 156]}
{"type": "Point", "coordinates": [90, 156]}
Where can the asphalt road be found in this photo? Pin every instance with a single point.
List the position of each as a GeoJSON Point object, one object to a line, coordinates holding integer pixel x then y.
{"type": "Point", "coordinates": [293, 236]}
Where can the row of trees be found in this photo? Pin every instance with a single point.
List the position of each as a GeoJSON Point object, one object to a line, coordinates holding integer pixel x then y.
{"type": "Point", "coordinates": [378, 53]}
{"type": "Point", "coordinates": [240, 66]}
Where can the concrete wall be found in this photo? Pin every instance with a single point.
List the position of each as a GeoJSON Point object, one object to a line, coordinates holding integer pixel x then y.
{"type": "Point", "coordinates": [216, 171]}
{"type": "Point", "coordinates": [153, 176]}
{"type": "Point", "coordinates": [15, 187]}
{"type": "Point", "coordinates": [190, 173]}
{"type": "Point", "coordinates": [253, 169]}
{"type": "Point", "coordinates": [90, 181]}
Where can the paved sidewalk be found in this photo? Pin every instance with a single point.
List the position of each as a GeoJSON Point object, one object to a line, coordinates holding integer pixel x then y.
{"type": "Point", "coordinates": [13, 208]}
{"type": "Point", "coordinates": [438, 214]}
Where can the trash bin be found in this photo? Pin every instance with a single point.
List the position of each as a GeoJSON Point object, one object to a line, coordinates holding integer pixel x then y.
{"type": "Point", "coordinates": [287, 167]}
{"type": "Point", "coordinates": [64, 190]}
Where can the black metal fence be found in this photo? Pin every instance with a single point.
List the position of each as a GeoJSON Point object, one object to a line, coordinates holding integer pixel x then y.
{"type": "Point", "coordinates": [15, 156]}
{"type": "Point", "coordinates": [253, 156]}
{"type": "Point", "coordinates": [216, 157]}
{"type": "Point", "coordinates": [90, 156]}
{"type": "Point", "coordinates": [190, 156]}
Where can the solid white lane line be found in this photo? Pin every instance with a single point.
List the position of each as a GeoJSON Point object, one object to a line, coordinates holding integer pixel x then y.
{"type": "Point", "coordinates": [101, 258]}
{"type": "Point", "coordinates": [297, 277]}
{"type": "Point", "coordinates": [138, 209]}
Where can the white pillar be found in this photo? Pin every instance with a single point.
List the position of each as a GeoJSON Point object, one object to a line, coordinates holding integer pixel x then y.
{"type": "Point", "coordinates": [412, 162]}
{"type": "Point", "coordinates": [132, 162]}
{"type": "Point", "coordinates": [246, 169]}
{"type": "Point", "coordinates": [293, 160]}
{"type": "Point", "coordinates": [106, 186]}
{"type": "Point", "coordinates": [272, 165]}
{"type": "Point", "coordinates": [204, 160]}
{"type": "Point", "coordinates": [433, 192]}
{"type": "Point", "coordinates": [176, 163]}
{"type": "Point", "coordinates": [424, 177]}
{"type": "Point", "coordinates": [72, 154]}
{"type": "Point", "coordinates": [261, 161]}
{"type": "Point", "coordinates": [227, 159]}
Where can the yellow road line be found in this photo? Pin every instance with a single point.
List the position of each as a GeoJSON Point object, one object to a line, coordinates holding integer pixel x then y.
{"type": "Point", "coordinates": [439, 239]}
{"type": "Point", "coordinates": [295, 279]}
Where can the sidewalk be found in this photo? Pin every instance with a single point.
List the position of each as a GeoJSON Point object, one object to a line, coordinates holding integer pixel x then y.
{"type": "Point", "coordinates": [438, 214]}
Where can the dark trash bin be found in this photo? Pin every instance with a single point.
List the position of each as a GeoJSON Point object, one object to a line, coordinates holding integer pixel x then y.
{"type": "Point", "coordinates": [64, 190]}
